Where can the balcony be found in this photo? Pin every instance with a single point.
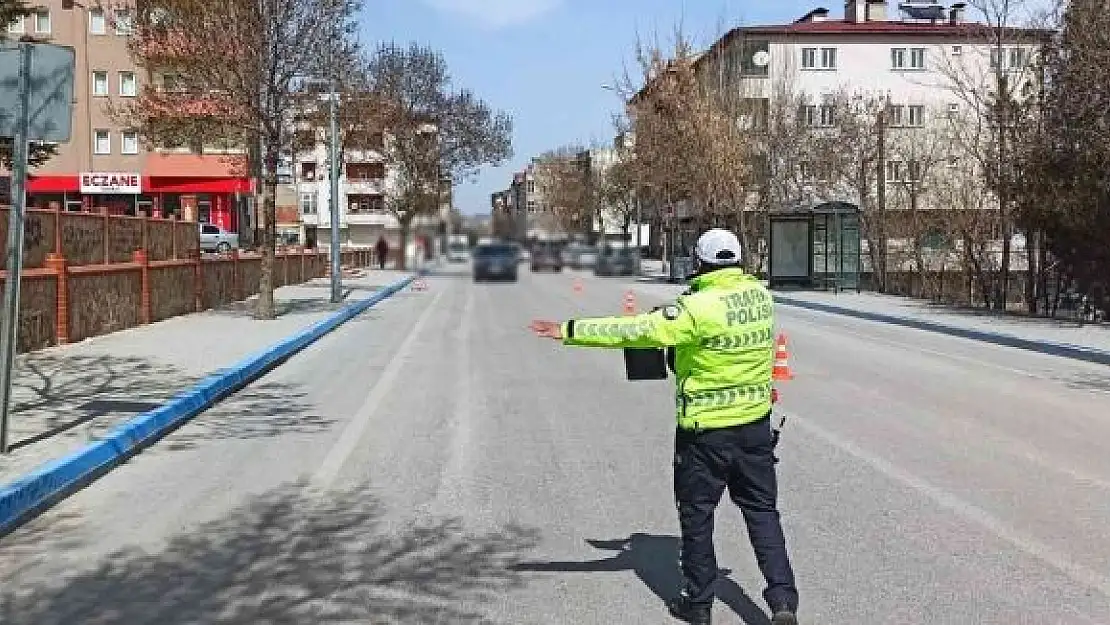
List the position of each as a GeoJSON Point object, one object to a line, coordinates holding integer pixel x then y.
{"type": "Point", "coordinates": [384, 219]}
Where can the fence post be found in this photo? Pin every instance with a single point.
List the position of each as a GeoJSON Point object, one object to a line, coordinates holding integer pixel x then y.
{"type": "Point", "coordinates": [57, 263]}
{"type": "Point", "coordinates": [107, 236]}
{"type": "Point", "coordinates": [58, 229]}
{"type": "Point", "coordinates": [140, 257]}
{"type": "Point", "coordinates": [198, 281]}
{"type": "Point", "coordinates": [236, 287]}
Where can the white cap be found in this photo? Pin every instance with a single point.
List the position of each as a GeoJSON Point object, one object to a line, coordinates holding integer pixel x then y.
{"type": "Point", "coordinates": [718, 247]}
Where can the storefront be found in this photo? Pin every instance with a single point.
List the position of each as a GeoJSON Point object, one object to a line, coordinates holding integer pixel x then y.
{"type": "Point", "coordinates": [208, 200]}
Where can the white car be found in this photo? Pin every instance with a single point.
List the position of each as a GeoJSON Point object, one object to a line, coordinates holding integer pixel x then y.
{"type": "Point", "coordinates": [215, 239]}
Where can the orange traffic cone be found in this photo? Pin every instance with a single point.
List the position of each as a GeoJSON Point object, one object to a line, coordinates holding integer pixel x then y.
{"type": "Point", "coordinates": [629, 303]}
{"type": "Point", "coordinates": [781, 370]}
{"type": "Point", "coordinates": [577, 285]}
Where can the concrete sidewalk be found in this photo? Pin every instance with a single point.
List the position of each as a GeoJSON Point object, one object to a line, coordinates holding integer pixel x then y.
{"type": "Point", "coordinates": [1049, 331]}
{"type": "Point", "coordinates": [65, 397]}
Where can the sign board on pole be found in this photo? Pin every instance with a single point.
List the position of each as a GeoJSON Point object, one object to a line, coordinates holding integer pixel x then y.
{"type": "Point", "coordinates": [51, 113]}
{"type": "Point", "coordinates": [116, 183]}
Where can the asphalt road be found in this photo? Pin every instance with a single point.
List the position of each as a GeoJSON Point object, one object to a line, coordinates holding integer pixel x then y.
{"type": "Point", "coordinates": [436, 464]}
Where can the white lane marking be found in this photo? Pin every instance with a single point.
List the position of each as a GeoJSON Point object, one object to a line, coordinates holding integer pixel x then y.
{"type": "Point", "coordinates": [356, 427]}
{"type": "Point", "coordinates": [454, 488]}
{"type": "Point", "coordinates": [1076, 572]}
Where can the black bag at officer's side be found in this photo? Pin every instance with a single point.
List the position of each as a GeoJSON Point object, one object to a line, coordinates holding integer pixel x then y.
{"type": "Point", "coordinates": [646, 363]}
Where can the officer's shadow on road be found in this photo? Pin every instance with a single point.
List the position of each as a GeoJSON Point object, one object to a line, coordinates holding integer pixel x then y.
{"type": "Point", "coordinates": [654, 559]}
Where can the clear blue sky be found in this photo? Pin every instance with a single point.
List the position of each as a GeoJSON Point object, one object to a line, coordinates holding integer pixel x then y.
{"type": "Point", "coordinates": [545, 61]}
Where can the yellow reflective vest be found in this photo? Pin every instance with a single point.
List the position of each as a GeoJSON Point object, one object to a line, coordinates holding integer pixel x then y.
{"type": "Point", "coordinates": [722, 333]}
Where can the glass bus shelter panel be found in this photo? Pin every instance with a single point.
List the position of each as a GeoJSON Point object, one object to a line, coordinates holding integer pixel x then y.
{"type": "Point", "coordinates": [790, 251]}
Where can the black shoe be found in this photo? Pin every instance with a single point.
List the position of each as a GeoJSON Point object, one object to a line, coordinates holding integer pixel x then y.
{"type": "Point", "coordinates": [784, 616]}
{"type": "Point", "coordinates": [694, 613]}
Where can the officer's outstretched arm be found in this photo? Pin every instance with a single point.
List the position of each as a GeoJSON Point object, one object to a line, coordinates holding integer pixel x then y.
{"type": "Point", "coordinates": [667, 326]}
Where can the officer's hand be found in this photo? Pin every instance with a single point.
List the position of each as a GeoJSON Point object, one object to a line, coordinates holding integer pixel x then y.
{"type": "Point", "coordinates": [547, 329]}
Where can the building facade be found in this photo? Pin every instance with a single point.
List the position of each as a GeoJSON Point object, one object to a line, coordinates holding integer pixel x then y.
{"type": "Point", "coordinates": [106, 167]}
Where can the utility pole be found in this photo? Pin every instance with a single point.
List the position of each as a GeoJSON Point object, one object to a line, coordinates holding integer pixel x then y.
{"type": "Point", "coordinates": [880, 196]}
{"type": "Point", "coordinates": [10, 333]}
{"type": "Point", "coordinates": [333, 175]}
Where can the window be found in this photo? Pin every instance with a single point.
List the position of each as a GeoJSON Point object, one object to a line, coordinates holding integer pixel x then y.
{"type": "Point", "coordinates": [17, 26]}
{"type": "Point", "coordinates": [308, 170]}
{"type": "Point", "coordinates": [755, 57]}
{"type": "Point", "coordinates": [308, 203]}
{"type": "Point", "coordinates": [531, 206]}
{"type": "Point", "coordinates": [898, 58]}
{"type": "Point", "coordinates": [207, 229]}
{"type": "Point", "coordinates": [360, 203]}
{"type": "Point", "coordinates": [97, 24]}
{"type": "Point", "coordinates": [1018, 59]}
{"type": "Point", "coordinates": [818, 116]}
{"type": "Point", "coordinates": [102, 142]}
{"type": "Point", "coordinates": [531, 186]}
{"type": "Point", "coordinates": [365, 171]}
{"type": "Point", "coordinates": [127, 84]}
{"type": "Point", "coordinates": [125, 23]}
{"type": "Point", "coordinates": [907, 58]}
{"type": "Point", "coordinates": [42, 21]}
{"type": "Point", "coordinates": [100, 83]}
{"type": "Point", "coordinates": [809, 58]}
{"type": "Point", "coordinates": [957, 50]}
{"type": "Point", "coordinates": [916, 115]}
{"type": "Point", "coordinates": [894, 171]}
{"type": "Point", "coordinates": [896, 115]}
{"type": "Point", "coordinates": [953, 110]}
{"type": "Point", "coordinates": [129, 143]}
{"type": "Point", "coordinates": [917, 58]}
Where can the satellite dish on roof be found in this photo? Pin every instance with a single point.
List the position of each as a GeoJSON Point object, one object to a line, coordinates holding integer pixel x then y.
{"type": "Point", "coordinates": [922, 10]}
{"type": "Point", "coordinates": [761, 58]}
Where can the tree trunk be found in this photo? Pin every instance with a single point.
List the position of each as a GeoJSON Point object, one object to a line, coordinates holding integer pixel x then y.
{"type": "Point", "coordinates": [265, 309]}
{"type": "Point", "coordinates": [402, 257]}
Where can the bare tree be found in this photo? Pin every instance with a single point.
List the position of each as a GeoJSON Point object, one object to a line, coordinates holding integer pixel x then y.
{"type": "Point", "coordinates": [564, 186]}
{"type": "Point", "coordinates": [436, 135]}
{"type": "Point", "coordinates": [994, 90]}
{"type": "Point", "coordinates": [233, 71]}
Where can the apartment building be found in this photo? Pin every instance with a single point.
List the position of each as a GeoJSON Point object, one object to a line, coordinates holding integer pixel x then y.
{"type": "Point", "coordinates": [107, 167]}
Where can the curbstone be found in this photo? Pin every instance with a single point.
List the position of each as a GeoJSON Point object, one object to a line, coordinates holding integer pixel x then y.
{"type": "Point", "coordinates": [30, 495]}
{"type": "Point", "coordinates": [1051, 348]}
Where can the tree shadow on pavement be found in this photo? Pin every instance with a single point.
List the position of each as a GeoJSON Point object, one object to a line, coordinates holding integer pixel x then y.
{"type": "Point", "coordinates": [83, 397]}
{"type": "Point", "coordinates": [654, 559]}
{"type": "Point", "coordinates": [289, 556]}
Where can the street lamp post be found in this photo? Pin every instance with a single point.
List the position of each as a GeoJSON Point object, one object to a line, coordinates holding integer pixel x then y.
{"type": "Point", "coordinates": [333, 175]}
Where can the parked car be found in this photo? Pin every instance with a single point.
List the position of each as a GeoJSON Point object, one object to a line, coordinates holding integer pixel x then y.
{"type": "Point", "coordinates": [457, 253]}
{"type": "Point", "coordinates": [617, 261]}
{"type": "Point", "coordinates": [495, 260]}
{"type": "Point", "coordinates": [213, 238]}
{"type": "Point", "coordinates": [580, 256]}
{"type": "Point", "coordinates": [546, 255]}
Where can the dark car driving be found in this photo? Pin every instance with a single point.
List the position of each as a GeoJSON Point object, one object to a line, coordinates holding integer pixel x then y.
{"type": "Point", "coordinates": [547, 255]}
{"type": "Point", "coordinates": [617, 261]}
{"type": "Point", "coordinates": [493, 261]}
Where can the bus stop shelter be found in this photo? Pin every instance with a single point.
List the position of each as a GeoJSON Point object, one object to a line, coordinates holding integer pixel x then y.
{"type": "Point", "coordinates": [815, 246]}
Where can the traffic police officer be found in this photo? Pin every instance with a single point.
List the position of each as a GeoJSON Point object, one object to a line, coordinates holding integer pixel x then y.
{"type": "Point", "coordinates": [721, 332]}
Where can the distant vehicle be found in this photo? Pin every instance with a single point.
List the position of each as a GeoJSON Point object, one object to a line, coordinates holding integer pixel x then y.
{"type": "Point", "coordinates": [580, 256]}
{"type": "Point", "coordinates": [215, 239]}
{"type": "Point", "coordinates": [546, 255]}
{"type": "Point", "coordinates": [458, 252]}
{"type": "Point", "coordinates": [617, 261]}
{"type": "Point", "coordinates": [495, 261]}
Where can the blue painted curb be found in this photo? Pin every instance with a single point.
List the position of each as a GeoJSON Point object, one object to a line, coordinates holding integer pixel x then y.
{"type": "Point", "coordinates": [1066, 350]}
{"type": "Point", "coordinates": [30, 495]}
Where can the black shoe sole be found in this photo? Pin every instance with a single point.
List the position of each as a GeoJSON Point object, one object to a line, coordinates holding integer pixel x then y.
{"type": "Point", "coordinates": [784, 618]}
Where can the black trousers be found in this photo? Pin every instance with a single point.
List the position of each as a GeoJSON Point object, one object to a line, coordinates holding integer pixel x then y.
{"type": "Point", "coordinates": [740, 458]}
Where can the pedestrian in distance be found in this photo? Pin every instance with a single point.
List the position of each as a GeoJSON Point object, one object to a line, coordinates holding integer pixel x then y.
{"type": "Point", "coordinates": [719, 338]}
{"type": "Point", "coordinates": [382, 249]}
